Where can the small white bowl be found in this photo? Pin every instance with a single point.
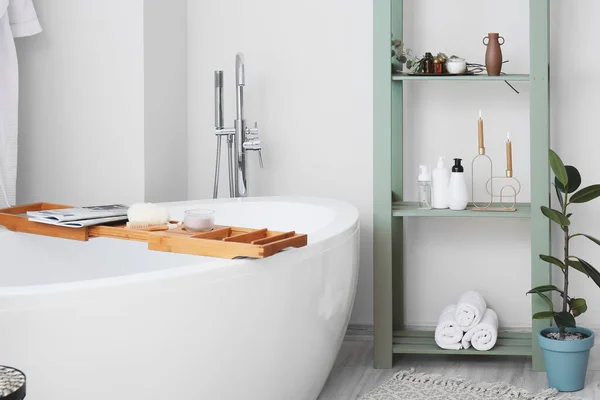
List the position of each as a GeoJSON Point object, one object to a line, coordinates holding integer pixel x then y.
{"type": "Point", "coordinates": [199, 220]}
{"type": "Point", "coordinates": [456, 66]}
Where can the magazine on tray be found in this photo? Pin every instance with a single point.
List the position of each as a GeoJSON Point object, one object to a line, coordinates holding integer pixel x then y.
{"type": "Point", "coordinates": [81, 216]}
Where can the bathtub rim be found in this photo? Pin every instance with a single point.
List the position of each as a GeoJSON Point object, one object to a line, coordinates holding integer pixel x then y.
{"type": "Point", "coordinates": [344, 225]}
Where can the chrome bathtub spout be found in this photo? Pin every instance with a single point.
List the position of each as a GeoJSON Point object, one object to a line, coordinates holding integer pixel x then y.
{"type": "Point", "coordinates": [240, 138]}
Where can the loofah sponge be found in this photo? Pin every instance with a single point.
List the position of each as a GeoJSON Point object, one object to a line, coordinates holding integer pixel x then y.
{"type": "Point", "coordinates": [147, 214]}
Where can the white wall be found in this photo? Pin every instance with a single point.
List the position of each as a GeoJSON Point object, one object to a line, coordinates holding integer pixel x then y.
{"type": "Point", "coordinates": [309, 85]}
{"type": "Point", "coordinates": [82, 104]}
{"type": "Point", "coordinates": [103, 103]}
{"type": "Point", "coordinates": [165, 97]}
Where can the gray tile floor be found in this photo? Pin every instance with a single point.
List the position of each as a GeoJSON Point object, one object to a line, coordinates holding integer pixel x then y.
{"type": "Point", "coordinates": [353, 374]}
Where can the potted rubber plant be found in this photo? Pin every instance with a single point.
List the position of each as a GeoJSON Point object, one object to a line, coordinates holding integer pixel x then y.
{"type": "Point", "coordinates": [565, 346]}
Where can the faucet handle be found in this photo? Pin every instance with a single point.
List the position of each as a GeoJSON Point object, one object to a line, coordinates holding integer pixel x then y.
{"type": "Point", "coordinates": [254, 130]}
{"type": "Point", "coordinates": [254, 145]}
{"type": "Point", "coordinates": [260, 160]}
{"type": "Point", "coordinates": [252, 142]}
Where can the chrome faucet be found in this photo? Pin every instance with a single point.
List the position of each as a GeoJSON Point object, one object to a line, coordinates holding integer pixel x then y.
{"type": "Point", "coordinates": [240, 138]}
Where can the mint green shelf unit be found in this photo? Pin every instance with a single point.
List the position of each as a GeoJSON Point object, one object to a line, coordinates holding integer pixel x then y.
{"type": "Point", "coordinates": [389, 212]}
{"type": "Point", "coordinates": [507, 77]}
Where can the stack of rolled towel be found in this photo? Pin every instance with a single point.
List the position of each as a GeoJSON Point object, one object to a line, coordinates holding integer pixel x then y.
{"type": "Point", "coordinates": [468, 323]}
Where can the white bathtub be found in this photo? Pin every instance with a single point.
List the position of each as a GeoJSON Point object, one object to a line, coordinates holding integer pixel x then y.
{"type": "Point", "coordinates": [109, 319]}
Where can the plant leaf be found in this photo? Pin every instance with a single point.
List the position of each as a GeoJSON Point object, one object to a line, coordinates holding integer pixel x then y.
{"type": "Point", "coordinates": [559, 195]}
{"type": "Point", "coordinates": [569, 215]}
{"type": "Point", "coordinates": [544, 288]}
{"type": "Point", "coordinates": [578, 306]}
{"type": "Point", "coordinates": [555, 216]}
{"type": "Point", "coordinates": [564, 319]}
{"type": "Point", "coordinates": [558, 167]}
{"type": "Point", "coordinates": [546, 299]}
{"type": "Point", "coordinates": [553, 260]}
{"type": "Point", "coordinates": [543, 315]}
{"type": "Point", "coordinates": [586, 194]}
{"type": "Point", "coordinates": [591, 271]}
{"type": "Point", "coordinates": [593, 239]}
{"type": "Point", "coordinates": [577, 265]}
{"type": "Point", "coordinates": [574, 178]}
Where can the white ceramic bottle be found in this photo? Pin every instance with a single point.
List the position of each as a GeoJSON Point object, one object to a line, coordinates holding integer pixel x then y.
{"type": "Point", "coordinates": [441, 180]}
{"type": "Point", "coordinates": [457, 189]}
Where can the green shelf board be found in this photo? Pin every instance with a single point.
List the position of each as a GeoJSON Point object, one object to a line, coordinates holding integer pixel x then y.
{"type": "Point", "coordinates": [409, 209]}
{"type": "Point", "coordinates": [477, 77]}
{"type": "Point", "coordinates": [423, 342]}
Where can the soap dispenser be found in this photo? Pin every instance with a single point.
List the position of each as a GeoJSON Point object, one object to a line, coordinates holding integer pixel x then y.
{"type": "Point", "coordinates": [424, 181]}
{"type": "Point", "coordinates": [457, 189]}
{"type": "Point", "coordinates": [441, 179]}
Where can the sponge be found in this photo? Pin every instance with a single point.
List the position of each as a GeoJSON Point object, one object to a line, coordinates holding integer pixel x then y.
{"type": "Point", "coordinates": [143, 215]}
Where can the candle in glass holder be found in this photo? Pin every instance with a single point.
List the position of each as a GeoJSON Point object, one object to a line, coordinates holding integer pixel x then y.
{"type": "Point", "coordinates": [199, 220]}
{"type": "Point", "coordinates": [480, 135]}
{"type": "Point", "coordinates": [509, 168]}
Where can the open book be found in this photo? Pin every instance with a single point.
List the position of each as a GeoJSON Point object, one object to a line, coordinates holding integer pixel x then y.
{"type": "Point", "coordinates": [80, 216]}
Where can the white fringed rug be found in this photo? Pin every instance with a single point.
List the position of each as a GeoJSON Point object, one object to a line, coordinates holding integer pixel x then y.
{"type": "Point", "coordinates": [409, 385]}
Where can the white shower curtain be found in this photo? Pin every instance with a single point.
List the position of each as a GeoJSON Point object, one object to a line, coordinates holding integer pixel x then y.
{"type": "Point", "coordinates": [17, 19]}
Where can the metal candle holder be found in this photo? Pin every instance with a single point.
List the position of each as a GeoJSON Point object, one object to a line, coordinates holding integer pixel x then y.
{"type": "Point", "coordinates": [508, 191]}
{"type": "Point", "coordinates": [489, 204]}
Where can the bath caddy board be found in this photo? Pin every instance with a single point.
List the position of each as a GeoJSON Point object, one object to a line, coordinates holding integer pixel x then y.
{"type": "Point", "coordinates": [222, 241]}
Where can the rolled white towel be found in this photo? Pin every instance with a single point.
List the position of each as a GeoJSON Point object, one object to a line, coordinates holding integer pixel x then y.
{"type": "Point", "coordinates": [447, 333]}
{"type": "Point", "coordinates": [469, 310]}
{"type": "Point", "coordinates": [484, 336]}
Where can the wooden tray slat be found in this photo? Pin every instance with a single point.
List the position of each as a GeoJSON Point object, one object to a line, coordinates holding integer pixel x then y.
{"type": "Point", "coordinates": [276, 247]}
{"type": "Point", "coordinates": [210, 248]}
{"type": "Point", "coordinates": [247, 237]}
{"type": "Point", "coordinates": [215, 234]}
{"type": "Point", "coordinates": [118, 232]}
{"type": "Point", "coordinates": [273, 238]}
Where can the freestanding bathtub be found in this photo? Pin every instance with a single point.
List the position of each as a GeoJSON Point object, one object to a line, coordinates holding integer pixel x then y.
{"type": "Point", "coordinates": [109, 319]}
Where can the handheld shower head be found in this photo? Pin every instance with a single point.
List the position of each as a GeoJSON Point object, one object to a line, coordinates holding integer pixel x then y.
{"type": "Point", "coordinates": [240, 75]}
{"type": "Point", "coordinates": [219, 99]}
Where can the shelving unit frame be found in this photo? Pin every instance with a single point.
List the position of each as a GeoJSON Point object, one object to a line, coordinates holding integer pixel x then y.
{"type": "Point", "coordinates": [389, 209]}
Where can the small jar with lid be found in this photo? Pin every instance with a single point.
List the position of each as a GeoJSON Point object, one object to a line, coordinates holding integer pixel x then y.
{"type": "Point", "coordinates": [456, 65]}
{"type": "Point", "coordinates": [437, 66]}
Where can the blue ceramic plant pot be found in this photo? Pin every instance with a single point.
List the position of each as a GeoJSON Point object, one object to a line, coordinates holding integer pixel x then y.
{"type": "Point", "coordinates": [566, 361]}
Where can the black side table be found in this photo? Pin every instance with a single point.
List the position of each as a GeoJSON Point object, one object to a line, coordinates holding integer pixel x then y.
{"type": "Point", "coordinates": [12, 384]}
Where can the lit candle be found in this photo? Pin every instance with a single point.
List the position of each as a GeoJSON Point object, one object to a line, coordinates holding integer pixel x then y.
{"type": "Point", "coordinates": [509, 167]}
{"type": "Point", "coordinates": [480, 135]}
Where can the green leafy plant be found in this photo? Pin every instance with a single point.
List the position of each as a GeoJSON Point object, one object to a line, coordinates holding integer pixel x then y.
{"type": "Point", "coordinates": [401, 57]}
{"type": "Point", "coordinates": [566, 183]}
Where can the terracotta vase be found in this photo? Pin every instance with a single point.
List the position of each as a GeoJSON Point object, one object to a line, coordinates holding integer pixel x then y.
{"type": "Point", "coordinates": [493, 54]}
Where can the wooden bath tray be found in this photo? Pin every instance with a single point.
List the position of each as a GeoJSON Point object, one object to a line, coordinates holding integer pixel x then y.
{"type": "Point", "coordinates": [222, 242]}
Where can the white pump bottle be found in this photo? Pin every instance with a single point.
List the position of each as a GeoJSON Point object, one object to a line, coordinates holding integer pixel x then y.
{"type": "Point", "coordinates": [457, 189]}
{"type": "Point", "coordinates": [441, 179]}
